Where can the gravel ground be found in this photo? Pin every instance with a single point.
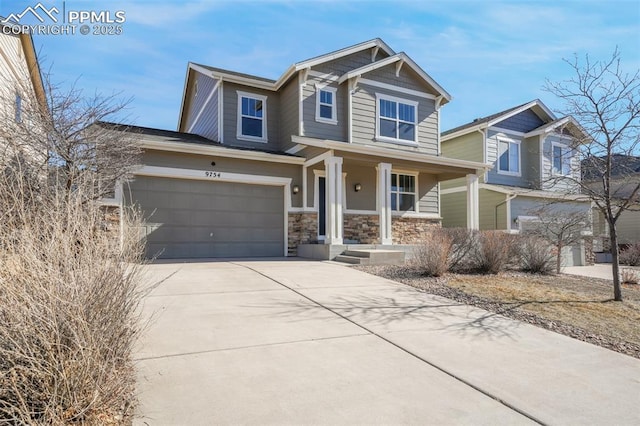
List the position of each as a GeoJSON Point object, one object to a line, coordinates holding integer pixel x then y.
{"type": "Point", "coordinates": [565, 284]}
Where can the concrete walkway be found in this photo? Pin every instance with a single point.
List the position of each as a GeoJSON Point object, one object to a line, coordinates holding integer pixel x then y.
{"type": "Point", "coordinates": [599, 270]}
{"type": "Point", "coordinates": [291, 342]}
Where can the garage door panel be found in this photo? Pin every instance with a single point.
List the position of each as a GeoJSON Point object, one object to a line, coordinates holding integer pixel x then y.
{"type": "Point", "coordinates": [187, 218]}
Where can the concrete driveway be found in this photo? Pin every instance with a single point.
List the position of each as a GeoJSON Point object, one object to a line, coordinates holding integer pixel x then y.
{"type": "Point", "coordinates": [291, 342]}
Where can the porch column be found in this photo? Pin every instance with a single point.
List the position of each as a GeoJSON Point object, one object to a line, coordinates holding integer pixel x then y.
{"type": "Point", "coordinates": [473, 202]}
{"type": "Point", "coordinates": [333, 176]}
{"type": "Point", "coordinates": [384, 202]}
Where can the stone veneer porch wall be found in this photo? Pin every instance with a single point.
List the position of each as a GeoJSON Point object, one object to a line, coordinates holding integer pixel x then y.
{"type": "Point", "coordinates": [365, 229]}
{"type": "Point", "coordinates": [303, 229]}
{"type": "Point", "coordinates": [410, 230]}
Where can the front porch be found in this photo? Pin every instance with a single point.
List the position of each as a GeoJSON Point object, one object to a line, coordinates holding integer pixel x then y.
{"type": "Point", "coordinates": [355, 195]}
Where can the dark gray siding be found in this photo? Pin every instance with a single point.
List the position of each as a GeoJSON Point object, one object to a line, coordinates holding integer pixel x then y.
{"type": "Point", "coordinates": [288, 113]}
{"type": "Point", "coordinates": [345, 64]}
{"type": "Point", "coordinates": [524, 122]}
{"type": "Point", "coordinates": [207, 124]}
{"type": "Point", "coordinates": [231, 117]}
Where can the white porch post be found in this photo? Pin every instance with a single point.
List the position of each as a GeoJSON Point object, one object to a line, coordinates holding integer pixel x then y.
{"type": "Point", "coordinates": [333, 176]}
{"type": "Point", "coordinates": [384, 202]}
{"type": "Point", "coordinates": [473, 202]}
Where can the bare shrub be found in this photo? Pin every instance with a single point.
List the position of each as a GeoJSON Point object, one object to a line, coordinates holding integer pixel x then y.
{"type": "Point", "coordinates": [535, 255]}
{"type": "Point", "coordinates": [493, 252]}
{"type": "Point", "coordinates": [631, 255]}
{"type": "Point", "coordinates": [432, 256]}
{"type": "Point", "coordinates": [463, 243]}
{"type": "Point", "coordinates": [69, 295]}
{"type": "Point", "coordinates": [629, 276]}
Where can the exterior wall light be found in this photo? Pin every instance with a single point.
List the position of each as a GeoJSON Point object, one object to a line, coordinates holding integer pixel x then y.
{"type": "Point", "coordinates": [295, 189]}
{"type": "Point", "coordinates": [357, 187]}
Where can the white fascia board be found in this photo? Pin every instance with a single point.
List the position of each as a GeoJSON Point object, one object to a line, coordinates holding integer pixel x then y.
{"type": "Point", "coordinates": [393, 154]}
{"type": "Point", "coordinates": [192, 148]}
{"type": "Point", "coordinates": [184, 98]}
{"type": "Point", "coordinates": [247, 81]}
{"type": "Point", "coordinates": [344, 52]}
{"type": "Point", "coordinates": [534, 193]}
{"type": "Point", "coordinates": [462, 132]}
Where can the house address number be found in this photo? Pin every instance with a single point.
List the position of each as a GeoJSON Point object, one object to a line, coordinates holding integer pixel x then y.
{"type": "Point", "coordinates": [213, 174]}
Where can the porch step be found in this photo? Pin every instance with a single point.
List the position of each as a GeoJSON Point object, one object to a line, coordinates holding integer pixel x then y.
{"type": "Point", "coordinates": [371, 257]}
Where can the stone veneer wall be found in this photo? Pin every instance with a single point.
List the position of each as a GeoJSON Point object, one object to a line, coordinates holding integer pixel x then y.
{"type": "Point", "coordinates": [303, 229]}
{"type": "Point", "coordinates": [365, 229]}
{"type": "Point", "coordinates": [410, 230]}
{"type": "Point", "coordinates": [589, 255]}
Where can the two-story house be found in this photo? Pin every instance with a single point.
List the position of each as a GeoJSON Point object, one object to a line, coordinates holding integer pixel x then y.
{"type": "Point", "coordinates": [342, 148]}
{"type": "Point", "coordinates": [530, 151]}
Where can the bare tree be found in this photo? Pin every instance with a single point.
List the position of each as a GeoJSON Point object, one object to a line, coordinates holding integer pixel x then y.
{"type": "Point", "coordinates": [605, 100]}
{"type": "Point", "coordinates": [66, 142]}
{"type": "Point", "coordinates": [560, 227]}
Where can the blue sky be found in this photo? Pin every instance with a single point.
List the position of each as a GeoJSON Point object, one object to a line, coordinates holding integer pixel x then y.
{"type": "Point", "coordinates": [490, 55]}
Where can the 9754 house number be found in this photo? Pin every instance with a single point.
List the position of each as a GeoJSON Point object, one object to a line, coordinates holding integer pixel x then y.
{"type": "Point", "coordinates": [213, 174]}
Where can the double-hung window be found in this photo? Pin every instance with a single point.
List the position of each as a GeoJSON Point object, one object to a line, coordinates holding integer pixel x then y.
{"type": "Point", "coordinates": [252, 117]}
{"type": "Point", "coordinates": [561, 160]}
{"type": "Point", "coordinates": [396, 120]}
{"type": "Point", "coordinates": [508, 157]}
{"type": "Point", "coordinates": [403, 192]}
{"type": "Point", "coordinates": [326, 105]}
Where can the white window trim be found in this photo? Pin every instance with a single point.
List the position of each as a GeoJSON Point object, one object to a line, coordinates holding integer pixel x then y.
{"type": "Point", "coordinates": [333, 90]}
{"type": "Point", "coordinates": [416, 207]}
{"type": "Point", "coordinates": [509, 141]}
{"type": "Point", "coordinates": [239, 134]}
{"type": "Point", "coordinates": [553, 157]}
{"type": "Point", "coordinates": [380, 96]}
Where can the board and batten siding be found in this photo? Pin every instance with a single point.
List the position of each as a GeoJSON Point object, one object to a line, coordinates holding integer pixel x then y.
{"type": "Point", "coordinates": [365, 122]}
{"type": "Point", "coordinates": [230, 125]}
{"type": "Point", "coordinates": [204, 108]}
{"type": "Point", "coordinates": [288, 113]}
{"type": "Point", "coordinates": [319, 130]}
{"type": "Point", "coordinates": [548, 182]}
{"type": "Point", "coordinates": [348, 63]}
{"type": "Point", "coordinates": [523, 122]}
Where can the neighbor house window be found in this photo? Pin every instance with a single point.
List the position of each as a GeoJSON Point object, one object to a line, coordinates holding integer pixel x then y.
{"type": "Point", "coordinates": [403, 192]}
{"type": "Point", "coordinates": [561, 160]}
{"type": "Point", "coordinates": [396, 119]}
{"type": "Point", "coordinates": [18, 117]}
{"type": "Point", "coordinates": [326, 105]}
{"type": "Point", "coordinates": [508, 157]}
{"type": "Point", "coordinates": [252, 117]}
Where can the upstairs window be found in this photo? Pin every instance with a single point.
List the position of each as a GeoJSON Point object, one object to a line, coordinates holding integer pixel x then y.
{"type": "Point", "coordinates": [18, 116]}
{"type": "Point", "coordinates": [252, 117]}
{"type": "Point", "coordinates": [508, 157]}
{"type": "Point", "coordinates": [396, 120]}
{"type": "Point", "coordinates": [403, 192]}
{"type": "Point", "coordinates": [561, 160]}
{"type": "Point", "coordinates": [326, 105]}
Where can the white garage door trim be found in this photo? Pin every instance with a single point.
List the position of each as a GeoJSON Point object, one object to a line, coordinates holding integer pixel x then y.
{"type": "Point", "coordinates": [214, 176]}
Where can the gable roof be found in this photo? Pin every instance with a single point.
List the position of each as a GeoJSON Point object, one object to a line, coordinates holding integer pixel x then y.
{"type": "Point", "coordinates": [564, 122]}
{"type": "Point", "coordinates": [394, 59]}
{"type": "Point", "coordinates": [622, 166]}
{"type": "Point", "coordinates": [490, 120]}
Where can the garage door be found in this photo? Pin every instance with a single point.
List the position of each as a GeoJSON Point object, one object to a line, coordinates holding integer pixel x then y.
{"type": "Point", "coordinates": [197, 219]}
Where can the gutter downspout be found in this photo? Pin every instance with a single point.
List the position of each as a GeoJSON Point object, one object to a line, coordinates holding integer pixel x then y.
{"type": "Point", "coordinates": [506, 200]}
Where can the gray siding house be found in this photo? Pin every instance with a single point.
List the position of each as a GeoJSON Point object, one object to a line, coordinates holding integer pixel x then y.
{"type": "Point", "coordinates": [530, 151]}
{"type": "Point", "coordinates": [343, 148]}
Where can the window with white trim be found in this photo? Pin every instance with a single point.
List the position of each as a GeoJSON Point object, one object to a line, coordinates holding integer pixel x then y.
{"type": "Point", "coordinates": [508, 157]}
{"type": "Point", "coordinates": [326, 105]}
{"type": "Point", "coordinates": [396, 119]}
{"type": "Point", "coordinates": [252, 117]}
{"type": "Point", "coordinates": [403, 192]}
{"type": "Point", "coordinates": [561, 160]}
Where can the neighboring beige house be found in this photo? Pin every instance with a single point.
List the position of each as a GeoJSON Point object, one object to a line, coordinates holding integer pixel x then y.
{"type": "Point", "coordinates": [625, 178]}
{"type": "Point", "coordinates": [342, 149]}
{"type": "Point", "coordinates": [527, 147]}
{"type": "Point", "coordinates": [21, 85]}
